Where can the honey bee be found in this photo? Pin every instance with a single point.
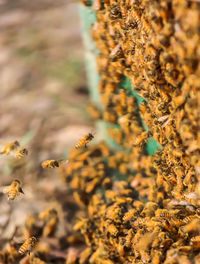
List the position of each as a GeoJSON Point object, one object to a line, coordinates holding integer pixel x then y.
{"type": "Point", "coordinates": [193, 226]}
{"type": "Point", "coordinates": [47, 214]}
{"type": "Point", "coordinates": [195, 242]}
{"type": "Point", "coordinates": [72, 256]}
{"type": "Point", "coordinates": [115, 12]}
{"type": "Point", "coordinates": [97, 5]}
{"type": "Point", "coordinates": [28, 245]}
{"type": "Point", "coordinates": [13, 190]}
{"type": "Point", "coordinates": [94, 111]}
{"type": "Point", "coordinates": [50, 226]}
{"type": "Point", "coordinates": [21, 153]}
{"type": "Point", "coordinates": [139, 140]}
{"type": "Point", "coordinates": [12, 146]}
{"type": "Point", "coordinates": [112, 230]}
{"type": "Point", "coordinates": [84, 141]}
{"type": "Point", "coordinates": [123, 97]}
{"type": "Point", "coordinates": [49, 164]}
{"type": "Point", "coordinates": [35, 260]}
{"type": "Point", "coordinates": [84, 256]}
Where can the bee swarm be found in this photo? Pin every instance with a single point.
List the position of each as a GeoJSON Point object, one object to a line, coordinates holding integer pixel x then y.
{"type": "Point", "coordinates": [150, 215]}
{"type": "Point", "coordinates": [136, 208]}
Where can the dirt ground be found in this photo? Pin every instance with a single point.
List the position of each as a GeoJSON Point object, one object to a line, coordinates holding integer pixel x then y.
{"type": "Point", "coordinates": [43, 95]}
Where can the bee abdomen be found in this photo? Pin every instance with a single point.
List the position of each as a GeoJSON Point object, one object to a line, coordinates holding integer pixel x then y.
{"type": "Point", "coordinates": [80, 143]}
{"type": "Point", "coordinates": [23, 248]}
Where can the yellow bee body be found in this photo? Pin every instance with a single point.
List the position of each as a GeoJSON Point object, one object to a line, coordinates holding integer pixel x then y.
{"type": "Point", "coordinates": [48, 213]}
{"type": "Point", "coordinates": [50, 164]}
{"type": "Point", "coordinates": [84, 141]}
{"type": "Point", "coordinates": [10, 147]}
{"type": "Point", "coordinates": [27, 246]}
{"type": "Point", "coordinates": [13, 190]}
{"type": "Point", "coordinates": [50, 226]}
{"type": "Point", "coordinates": [21, 153]}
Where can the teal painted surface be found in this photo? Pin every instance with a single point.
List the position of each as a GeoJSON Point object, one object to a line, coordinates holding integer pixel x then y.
{"type": "Point", "coordinates": [88, 17]}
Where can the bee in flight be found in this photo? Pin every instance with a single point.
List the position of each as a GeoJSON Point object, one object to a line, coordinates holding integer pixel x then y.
{"type": "Point", "coordinates": [12, 146]}
{"type": "Point", "coordinates": [50, 164]}
{"type": "Point", "coordinates": [27, 246]}
{"type": "Point", "coordinates": [84, 141]}
{"type": "Point", "coordinates": [21, 153]}
{"type": "Point", "coordinates": [13, 190]}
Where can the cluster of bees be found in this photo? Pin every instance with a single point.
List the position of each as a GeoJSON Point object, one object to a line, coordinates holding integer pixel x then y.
{"type": "Point", "coordinates": [137, 208]}
{"type": "Point", "coordinates": [140, 208]}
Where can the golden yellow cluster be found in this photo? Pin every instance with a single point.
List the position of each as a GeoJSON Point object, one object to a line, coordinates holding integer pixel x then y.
{"type": "Point", "coordinates": [143, 209]}
{"type": "Point", "coordinates": [129, 219]}
{"type": "Point", "coordinates": [135, 208]}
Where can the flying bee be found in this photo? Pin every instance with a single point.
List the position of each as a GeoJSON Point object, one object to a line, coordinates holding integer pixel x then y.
{"type": "Point", "coordinates": [50, 164]}
{"type": "Point", "coordinates": [13, 190]}
{"type": "Point", "coordinates": [21, 153]}
{"type": "Point", "coordinates": [84, 141]}
{"type": "Point", "coordinates": [142, 138]}
{"type": "Point", "coordinates": [10, 147]}
{"type": "Point", "coordinates": [28, 245]}
{"type": "Point", "coordinates": [48, 213]}
{"type": "Point", "coordinates": [50, 226]}
{"type": "Point", "coordinates": [50, 217]}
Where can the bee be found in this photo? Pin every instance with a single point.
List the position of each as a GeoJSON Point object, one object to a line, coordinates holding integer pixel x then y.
{"type": "Point", "coordinates": [84, 256]}
{"type": "Point", "coordinates": [35, 260]}
{"type": "Point", "coordinates": [50, 226]}
{"type": "Point", "coordinates": [115, 12]}
{"type": "Point", "coordinates": [139, 140]}
{"type": "Point", "coordinates": [123, 97]}
{"type": "Point", "coordinates": [112, 230]}
{"type": "Point", "coordinates": [13, 190]}
{"type": "Point", "coordinates": [47, 214]}
{"type": "Point", "coordinates": [84, 141]}
{"type": "Point", "coordinates": [28, 245]}
{"type": "Point", "coordinates": [94, 112]}
{"type": "Point", "coordinates": [12, 146]}
{"type": "Point", "coordinates": [49, 164]}
{"type": "Point", "coordinates": [21, 153]}
{"type": "Point", "coordinates": [72, 256]}
{"type": "Point", "coordinates": [193, 226]}
{"type": "Point", "coordinates": [195, 242]}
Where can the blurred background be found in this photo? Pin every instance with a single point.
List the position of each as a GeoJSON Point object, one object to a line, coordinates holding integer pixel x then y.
{"type": "Point", "coordinates": [43, 95]}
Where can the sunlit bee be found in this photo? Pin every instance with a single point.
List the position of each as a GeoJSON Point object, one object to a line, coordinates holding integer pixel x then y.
{"type": "Point", "coordinates": [142, 138]}
{"type": "Point", "coordinates": [21, 153]}
{"type": "Point", "coordinates": [50, 164]}
{"type": "Point", "coordinates": [48, 213]}
{"type": "Point", "coordinates": [50, 226]}
{"type": "Point", "coordinates": [28, 245]}
{"type": "Point", "coordinates": [12, 146]}
{"type": "Point", "coordinates": [94, 111]}
{"type": "Point", "coordinates": [13, 190]}
{"type": "Point", "coordinates": [84, 141]}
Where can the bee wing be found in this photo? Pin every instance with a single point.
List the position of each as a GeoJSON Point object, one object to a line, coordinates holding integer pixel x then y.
{"type": "Point", "coordinates": [6, 189]}
{"type": "Point", "coordinates": [63, 161]}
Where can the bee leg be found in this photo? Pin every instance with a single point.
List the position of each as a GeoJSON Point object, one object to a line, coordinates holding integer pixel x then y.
{"type": "Point", "coordinates": [86, 145]}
